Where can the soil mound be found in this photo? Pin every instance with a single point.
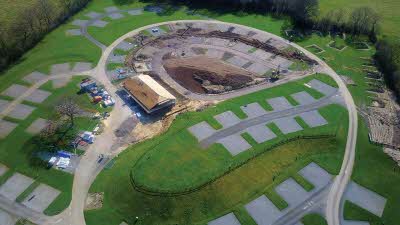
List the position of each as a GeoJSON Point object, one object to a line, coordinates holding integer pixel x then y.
{"type": "Point", "coordinates": [204, 75]}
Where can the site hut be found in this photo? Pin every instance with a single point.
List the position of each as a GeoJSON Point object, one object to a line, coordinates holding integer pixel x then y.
{"type": "Point", "coordinates": [149, 94]}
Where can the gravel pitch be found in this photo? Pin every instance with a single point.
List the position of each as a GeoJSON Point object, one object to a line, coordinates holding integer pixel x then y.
{"type": "Point", "coordinates": [126, 46]}
{"type": "Point", "coordinates": [37, 126]}
{"type": "Point", "coordinates": [3, 104]}
{"type": "Point", "coordinates": [99, 23]}
{"type": "Point", "coordinates": [261, 133]}
{"type": "Point", "coordinates": [6, 128]}
{"type": "Point", "coordinates": [235, 144]}
{"type": "Point", "coordinates": [303, 98]}
{"type": "Point", "coordinates": [313, 118]}
{"type": "Point", "coordinates": [41, 198]}
{"type": "Point", "coordinates": [15, 90]}
{"type": "Point", "coordinates": [81, 66]}
{"type": "Point", "coordinates": [80, 23]}
{"type": "Point", "coordinates": [74, 32]}
{"type": "Point", "coordinates": [116, 16]}
{"type": "Point", "coordinates": [116, 58]}
{"type": "Point", "coordinates": [258, 68]}
{"type": "Point", "coordinates": [322, 87]}
{"type": "Point", "coordinates": [21, 111]}
{"type": "Point", "coordinates": [292, 192]}
{"type": "Point", "coordinates": [365, 198]}
{"type": "Point", "coordinates": [263, 211]}
{"type": "Point", "coordinates": [237, 61]}
{"type": "Point", "coordinates": [316, 175]}
{"type": "Point", "coordinates": [15, 185]}
{"type": "Point", "coordinates": [38, 96]}
{"type": "Point", "coordinates": [201, 130]}
{"type": "Point", "coordinates": [287, 125]}
{"type": "Point", "coordinates": [7, 219]}
{"type": "Point", "coordinates": [279, 103]}
{"type": "Point", "coordinates": [60, 68]}
{"type": "Point", "coordinates": [227, 119]}
{"type": "Point", "coordinates": [93, 15]}
{"type": "Point", "coordinates": [253, 110]}
{"type": "Point", "coordinates": [228, 219]}
{"type": "Point", "coordinates": [34, 77]}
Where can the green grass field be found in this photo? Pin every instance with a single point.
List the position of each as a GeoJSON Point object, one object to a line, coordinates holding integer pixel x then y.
{"type": "Point", "coordinates": [17, 148]}
{"type": "Point", "coordinates": [388, 11]}
{"type": "Point", "coordinates": [173, 162]}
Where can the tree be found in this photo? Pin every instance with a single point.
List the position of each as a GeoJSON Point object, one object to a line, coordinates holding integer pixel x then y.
{"type": "Point", "coordinates": [364, 20]}
{"type": "Point", "coordinates": [303, 12]}
{"type": "Point", "coordinates": [69, 108]}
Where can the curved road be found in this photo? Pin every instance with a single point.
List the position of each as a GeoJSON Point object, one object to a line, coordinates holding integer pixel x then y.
{"type": "Point", "coordinates": [110, 145]}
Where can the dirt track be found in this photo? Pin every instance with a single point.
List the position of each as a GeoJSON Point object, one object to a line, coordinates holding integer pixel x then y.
{"type": "Point", "coordinates": [192, 73]}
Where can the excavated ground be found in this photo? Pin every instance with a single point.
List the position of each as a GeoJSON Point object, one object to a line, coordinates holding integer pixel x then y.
{"type": "Point", "coordinates": [205, 75]}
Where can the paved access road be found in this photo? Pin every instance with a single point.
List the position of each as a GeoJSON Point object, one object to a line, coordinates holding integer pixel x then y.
{"type": "Point", "coordinates": [108, 144]}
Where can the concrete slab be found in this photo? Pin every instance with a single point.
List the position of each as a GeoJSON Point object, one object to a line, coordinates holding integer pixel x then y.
{"type": "Point", "coordinates": [313, 118]}
{"type": "Point", "coordinates": [21, 111]}
{"type": "Point", "coordinates": [93, 15]}
{"type": "Point", "coordinates": [242, 47]}
{"type": "Point", "coordinates": [214, 53]}
{"type": "Point", "coordinates": [262, 54]}
{"type": "Point", "coordinates": [261, 133]}
{"type": "Point", "coordinates": [15, 185]}
{"type": "Point", "coordinates": [222, 27]}
{"type": "Point", "coordinates": [365, 198]}
{"type": "Point", "coordinates": [322, 87]}
{"type": "Point", "coordinates": [34, 77]}
{"type": "Point", "coordinates": [217, 42]}
{"type": "Point", "coordinates": [15, 90]}
{"type": "Point", "coordinates": [41, 198]}
{"type": "Point", "coordinates": [261, 37]}
{"type": "Point", "coordinates": [111, 9]}
{"type": "Point", "coordinates": [135, 12]}
{"type": "Point", "coordinates": [37, 126]}
{"type": "Point", "coordinates": [237, 61]}
{"type": "Point", "coordinates": [116, 16]}
{"type": "Point", "coordinates": [126, 46]}
{"type": "Point", "coordinates": [354, 222]}
{"type": "Point", "coordinates": [316, 175]}
{"type": "Point", "coordinates": [291, 192]}
{"type": "Point", "coordinates": [61, 82]}
{"type": "Point", "coordinates": [80, 23]}
{"type": "Point", "coordinates": [287, 125]}
{"type": "Point", "coordinates": [303, 98]}
{"type": "Point", "coordinates": [281, 62]}
{"type": "Point", "coordinates": [3, 169]}
{"type": "Point", "coordinates": [59, 68]}
{"type": "Point", "coordinates": [258, 68]}
{"type": "Point", "coordinates": [81, 66]}
{"type": "Point", "coordinates": [116, 58]}
{"type": "Point", "coordinates": [3, 104]}
{"type": "Point", "coordinates": [228, 219]}
{"type": "Point", "coordinates": [263, 211]}
{"type": "Point", "coordinates": [279, 103]}
{"type": "Point", "coordinates": [253, 110]}
{"type": "Point", "coordinates": [38, 96]}
{"type": "Point", "coordinates": [227, 119]}
{"type": "Point", "coordinates": [6, 128]}
{"type": "Point", "coordinates": [99, 23]}
{"type": "Point", "coordinates": [240, 31]}
{"type": "Point", "coordinates": [74, 32]}
{"type": "Point", "coordinates": [201, 130]}
{"type": "Point", "coordinates": [7, 219]}
{"type": "Point", "coordinates": [235, 144]}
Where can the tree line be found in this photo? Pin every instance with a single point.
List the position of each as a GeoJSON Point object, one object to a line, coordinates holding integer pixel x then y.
{"type": "Point", "coordinates": [31, 25]}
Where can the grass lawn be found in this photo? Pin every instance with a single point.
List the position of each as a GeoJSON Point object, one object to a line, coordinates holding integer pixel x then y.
{"type": "Point", "coordinates": [388, 11]}
{"type": "Point", "coordinates": [16, 149]}
{"type": "Point", "coordinates": [179, 165]}
{"type": "Point", "coordinates": [314, 219]}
